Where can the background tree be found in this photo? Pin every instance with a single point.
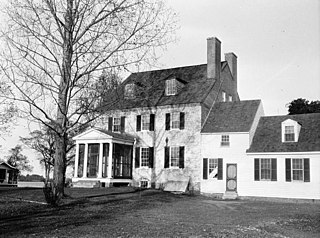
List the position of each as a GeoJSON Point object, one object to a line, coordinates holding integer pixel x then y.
{"type": "Point", "coordinates": [301, 106]}
{"type": "Point", "coordinates": [54, 51]}
{"type": "Point", "coordinates": [18, 160]}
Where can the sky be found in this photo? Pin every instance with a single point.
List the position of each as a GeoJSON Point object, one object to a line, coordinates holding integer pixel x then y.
{"type": "Point", "coordinates": [277, 43]}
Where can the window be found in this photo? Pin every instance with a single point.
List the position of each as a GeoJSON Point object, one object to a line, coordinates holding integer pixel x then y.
{"type": "Point", "coordinates": [265, 169]}
{"type": "Point", "coordinates": [213, 168]}
{"type": "Point", "coordinates": [145, 122]}
{"type": "Point", "coordinates": [230, 98]}
{"type": "Point", "coordinates": [225, 140]}
{"type": "Point", "coordinates": [175, 120]}
{"type": "Point", "coordinates": [289, 133]}
{"type": "Point", "coordinates": [171, 87]}
{"type": "Point", "coordinates": [224, 96]}
{"type": "Point", "coordinates": [116, 124]}
{"type": "Point", "coordinates": [174, 157]}
{"type": "Point", "coordinates": [144, 157]}
{"type": "Point", "coordinates": [129, 91]}
{"type": "Point", "coordinates": [298, 170]}
{"type": "Point", "coordinates": [81, 160]}
{"type": "Point", "coordinates": [144, 184]}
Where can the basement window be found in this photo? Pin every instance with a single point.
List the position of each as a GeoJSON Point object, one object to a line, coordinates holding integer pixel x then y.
{"type": "Point", "coordinates": [144, 184]}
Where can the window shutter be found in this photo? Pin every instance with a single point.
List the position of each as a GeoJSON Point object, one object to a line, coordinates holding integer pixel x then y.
{"type": "Point", "coordinates": [288, 170]}
{"type": "Point", "coordinates": [273, 169]}
{"type": "Point", "coordinates": [256, 170]}
{"type": "Point", "coordinates": [167, 121]}
{"type": "Point", "coordinates": [181, 120]}
{"type": "Point", "coordinates": [166, 156]}
{"type": "Point", "coordinates": [220, 169]}
{"type": "Point", "coordinates": [151, 151]}
{"type": "Point", "coordinates": [151, 127]}
{"type": "Point", "coordinates": [205, 168]}
{"type": "Point", "coordinates": [122, 124]}
{"type": "Point", "coordinates": [306, 167]}
{"type": "Point", "coordinates": [110, 122]}
{"type": "Point", "coordinates": [181, 157]}
{"type": "Point", "coordinates": [137, 158]}
{"type": "Point", "coordinates": [138, 122]}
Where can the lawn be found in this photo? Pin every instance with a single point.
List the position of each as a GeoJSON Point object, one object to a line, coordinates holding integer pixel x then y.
{"type": "Point", "coordinates": [126, 212]}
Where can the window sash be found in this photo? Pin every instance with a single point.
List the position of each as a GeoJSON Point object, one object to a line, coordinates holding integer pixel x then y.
{"type": "Point", "coordinates": [225, 140]}
{"type": "Point", "coordinates": [116, 124]}
{"type": "Point", "coordinates": [224, 96]}
{"type": "Point", "coordinates": [145, 122]}
{"type": "Point", "coordinates": [213, 166]}
{"type": "Point", "coordinates": [171, 87]}
{"type": "Point", "coordinates": [297, 170]}
{"type": "Point", "coordinates": [144, 157]}
{"type": "Point", "coordinates": [289, 133]}
{"type": "Point", "coordinates": [129, 90]}
{"type": "Point", "coordinates": [265, 169]}
{"type": "Point", "coordinates": [174, 156]}
{"type": "Point", "coordinates": [175, 121]}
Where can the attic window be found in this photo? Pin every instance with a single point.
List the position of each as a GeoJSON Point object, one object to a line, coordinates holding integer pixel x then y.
{"type": "Point", "coordinates": [129, 91]}
{"type": "Point", "coordinates": [290, 130]}
{"type": "Point", "coordinates": [171, 87]}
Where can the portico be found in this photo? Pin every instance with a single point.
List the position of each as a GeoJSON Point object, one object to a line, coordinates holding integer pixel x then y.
{"type": "Point", "coordinates": [103, 157]}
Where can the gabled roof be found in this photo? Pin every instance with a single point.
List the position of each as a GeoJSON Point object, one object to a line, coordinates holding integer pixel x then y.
{"type": "Point", "coordinates": [4, 164]}
{"type": "Point", "coordinates": [236, 116]}
{"type": "Point", "coordinates": [268, 134]}
{"type": "Point", "coordinates": [150, 87]}
{"type": "Point", "coordinates": [98, 133]}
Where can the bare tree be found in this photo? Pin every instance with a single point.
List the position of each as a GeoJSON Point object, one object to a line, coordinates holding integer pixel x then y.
{"type": "Point", "coordinates": [53, 51]}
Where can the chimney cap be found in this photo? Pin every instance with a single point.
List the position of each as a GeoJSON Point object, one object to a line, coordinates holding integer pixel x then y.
{"type": "Point", "coordinates": [231, 53]}
{"type": "Point", "coordinates": [213, 38]}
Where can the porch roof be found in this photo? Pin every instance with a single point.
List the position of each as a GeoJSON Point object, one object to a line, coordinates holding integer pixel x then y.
{"type": "Point", "coordinates": [7, 166]}
{"type": "Point", "coordinates": [98, 133]}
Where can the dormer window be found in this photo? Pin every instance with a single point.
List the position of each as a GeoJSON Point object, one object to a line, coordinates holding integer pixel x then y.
{"type": "Point", "coordinates": [290, 131]}
{"type": "Point", "coordinates": [129, 91]}
{"type": "Point", "coordinates": [171, 87]}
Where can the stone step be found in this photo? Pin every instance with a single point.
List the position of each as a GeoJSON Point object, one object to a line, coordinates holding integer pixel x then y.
{"type": "Point", "coordinates": [86, 184]}
{"type": "Point", "coordinates": [228, 195]}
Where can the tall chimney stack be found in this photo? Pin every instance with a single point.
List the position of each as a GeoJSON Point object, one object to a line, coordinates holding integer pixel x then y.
{"type": "Point", "coordinates": [231, 58]}
{"type": "Point", "coordinates": [213, 58]}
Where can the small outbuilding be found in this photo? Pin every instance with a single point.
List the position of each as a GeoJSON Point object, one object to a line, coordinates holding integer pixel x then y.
{"type": "Point", "coordinates": [8, 175]}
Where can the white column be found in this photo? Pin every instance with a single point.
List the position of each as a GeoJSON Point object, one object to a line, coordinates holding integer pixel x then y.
{"type": "Point", "coordinates": [100, 160]}
{"type": "Point", "coordinates": [110, 159]}
{"type": "Point", "coordinates": [85, 162]}
{"type": "Point", "coordinates": [76, 162]}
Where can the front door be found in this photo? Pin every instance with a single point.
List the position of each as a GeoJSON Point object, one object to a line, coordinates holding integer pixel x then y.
{"type": "Point", "coordinates": [232, 177]}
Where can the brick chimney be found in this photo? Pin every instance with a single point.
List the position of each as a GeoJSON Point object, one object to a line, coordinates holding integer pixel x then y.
{"type": "Point", "coordinates": [213, 58]}
{"type": "Point", "coordinates": [231, 58]}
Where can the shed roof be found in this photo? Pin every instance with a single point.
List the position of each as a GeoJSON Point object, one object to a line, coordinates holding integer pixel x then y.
{"type": "Point", "coordinates": [236, 116]}
{"type": "Point", "coordinates": [268, 134]}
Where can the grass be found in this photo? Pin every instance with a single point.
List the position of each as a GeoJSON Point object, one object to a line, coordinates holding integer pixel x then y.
{"type": "Point", "coordinates": [125, 212]}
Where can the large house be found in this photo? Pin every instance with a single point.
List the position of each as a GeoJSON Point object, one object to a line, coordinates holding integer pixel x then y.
{"type": "Point", "coordinates": [182, 125]}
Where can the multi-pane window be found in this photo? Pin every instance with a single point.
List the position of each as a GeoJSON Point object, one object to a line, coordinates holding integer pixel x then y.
{"type": "Point", "coordinates": [145, 122]}
{"type": "Point", "coordinates": [265, 168]}
{"type": "Point", "coordinates": [144, 184]}
{"type": "Point", "coordinates": [171, 87]}
{"type": "Point", "coordinates": [144, 157]}
{"type": "Point", "coordinates": [116, 124]}
{"type": "Point", "coordinates": [174, 156]}
{"type": "Point", "coordinates": [297, 169]}
{"type": "Point", "coordinates": [175, 120]}
{"type": "Point", "coordinates": [129, 90]}
{"type": "Point", "coordinates": [224, 96]}
{"type": "Point", "coordinates": [289, 133]}
{"type": "Point", "coordinates": [225, 140]}
{"type": "Point", "coordinates": [213, 168]}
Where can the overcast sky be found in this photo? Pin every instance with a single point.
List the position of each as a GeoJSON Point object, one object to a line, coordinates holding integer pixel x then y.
{"type": "Point", "coordinates": [277, 43]}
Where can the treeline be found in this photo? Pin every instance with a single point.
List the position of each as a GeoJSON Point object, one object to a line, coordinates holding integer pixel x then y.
{"type": "Point", "coordinates": [31, 178]}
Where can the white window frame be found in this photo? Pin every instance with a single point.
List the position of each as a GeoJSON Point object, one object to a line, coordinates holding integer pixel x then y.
{"type": "Point", "coordinates": [224, 96]}
{"type": "Point", "coordinates": [129, 90]}
{"type": "Point", "coordinates": [144, 156]}
{"type": "Point", "coordinates": [230, 98]}
{"type": "Point", "coordinates": [213, 168]}
{"type": "Point", "coordinates": [174, 154]}
{"type": "Point", "coordinates": [175, 120]}
{"type": "Point", "coordinates": [295, 128]}
{"type": "Point", "coordinates": [225, 141]}
{"type": "Point", "coordinates": [144, 184]}
{"type": "Point", "coordinates": [116, 126]}
{"type": "Point", "coordinates": [145, 122]}
{"type": "Point", "coordinates": [171, 87]}
{"type": "Point", "coordinates": [300, 170]}
{"type": "Point", "coordinates": [289, 132]}
{"type": "Point", "coordinates": [268, 163]}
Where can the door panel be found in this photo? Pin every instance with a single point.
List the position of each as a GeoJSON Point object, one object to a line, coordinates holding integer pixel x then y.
{"type": "Point", "coordinates": [231, 177]}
